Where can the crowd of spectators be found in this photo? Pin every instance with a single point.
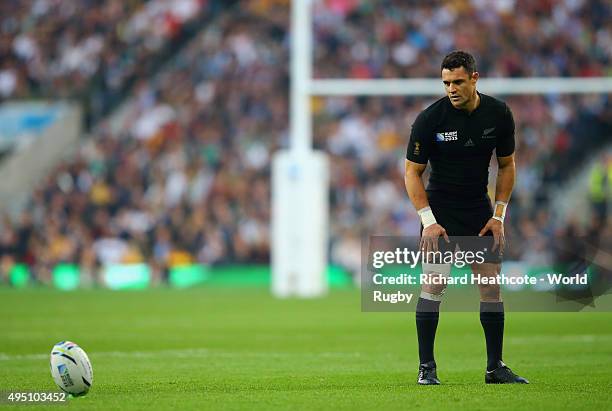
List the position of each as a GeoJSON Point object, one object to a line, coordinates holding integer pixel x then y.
{"type": "Point", "coordinates": [600, 186]}
{"type": "Point", "coordinates": [183, 174]}
{"type": "Point", "coordinates": [54, 47]}
{"type": "Point", "coordinates": [510, 38]}
{"type": "Point", "coordinates": [57, 48]}
{"type": "Point", "coordinates": [185, 177]}
{"type": "Point", "coordinates": [367, 139]}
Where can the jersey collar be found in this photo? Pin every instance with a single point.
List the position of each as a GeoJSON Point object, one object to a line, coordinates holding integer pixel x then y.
{"type": "Point", "coordinates": [463, 112]}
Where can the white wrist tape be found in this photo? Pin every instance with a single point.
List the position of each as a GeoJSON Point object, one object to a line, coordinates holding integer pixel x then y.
{"type": "Point", "coordinates": [427, 217]}
{"type": "Point", "coordinates": [499, 213]}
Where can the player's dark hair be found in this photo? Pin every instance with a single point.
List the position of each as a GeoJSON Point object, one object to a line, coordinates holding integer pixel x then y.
{"type": "Point", "coordinates": [459, 58]}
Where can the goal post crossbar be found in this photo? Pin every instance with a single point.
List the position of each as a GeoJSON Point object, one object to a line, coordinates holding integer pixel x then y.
{"type": "Point", "coordinates": [434, 87]}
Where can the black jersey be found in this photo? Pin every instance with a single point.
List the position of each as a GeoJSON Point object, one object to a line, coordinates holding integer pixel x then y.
{"type": "Point", "coordinates": [459, 145]}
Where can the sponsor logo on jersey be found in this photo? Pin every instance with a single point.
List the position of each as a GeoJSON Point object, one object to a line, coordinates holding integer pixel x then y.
{"type": "Point", "coordinates": [486, 133]}
{"type": "Point", "coordinates": [447, 136]}
{"type": "Point", "coordinates": [469, 143]}
{"type": "Point", "coordinates": [417, 149]}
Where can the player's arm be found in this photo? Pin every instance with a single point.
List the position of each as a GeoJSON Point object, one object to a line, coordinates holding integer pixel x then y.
{"type": "Point", "coordinates": [416, 192]}
{"type": "Point", "coordinates": [417, 157]}
{"type": "Point", "coordinates": [505, 181]}
{"type": "Point", "coordinates": [503, 190]}
{"type": "Point", "coordinates": [414, 184]}
{"type": "Point", "coordinates": [506, 175]}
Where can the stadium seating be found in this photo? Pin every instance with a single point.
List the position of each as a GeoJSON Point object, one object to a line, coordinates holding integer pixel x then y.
{"type": "Point", "coordinates": [185, 176]}
{"type": "Point", "coordinates": [88, 49]}
{"type": "Point", "coordinates": [513, 38]}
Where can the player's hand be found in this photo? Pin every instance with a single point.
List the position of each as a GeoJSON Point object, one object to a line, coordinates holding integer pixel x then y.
{"type": "Point", "coordinates": [429, 238]}
{"type": "Point", "coordinates": [496, 227]}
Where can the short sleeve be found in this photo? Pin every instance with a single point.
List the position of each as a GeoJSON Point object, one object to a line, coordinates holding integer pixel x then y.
{"type": "Point", "coordinates": [420, 141]}
{"type": "Point", "coordinates": [505, 140]}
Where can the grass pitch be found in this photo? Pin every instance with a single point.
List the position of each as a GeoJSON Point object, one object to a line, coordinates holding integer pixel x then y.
{"type": "Point", "coordinates": [224, 348]}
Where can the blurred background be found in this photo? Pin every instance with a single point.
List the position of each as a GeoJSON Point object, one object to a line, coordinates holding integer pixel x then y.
{"type": "Point", "coordinates": [136, 136]}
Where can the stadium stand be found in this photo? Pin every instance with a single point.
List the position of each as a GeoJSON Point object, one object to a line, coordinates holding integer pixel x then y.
{"type": "Point", "coordinates": [185, 176]}
{"type": "Point", "coordinates": [93, 49]}
{"type": "Point", "coordinates": [510, 38]}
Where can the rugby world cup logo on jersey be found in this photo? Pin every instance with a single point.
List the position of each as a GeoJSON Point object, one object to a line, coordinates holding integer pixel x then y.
{"type": "Point", "coordinates": [446, 136]}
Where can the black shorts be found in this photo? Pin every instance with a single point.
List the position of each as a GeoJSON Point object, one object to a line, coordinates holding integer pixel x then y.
{"type": "Point", "coordinates": [462, 226]}
{"type": "Point", "coordinates": [463, 222]}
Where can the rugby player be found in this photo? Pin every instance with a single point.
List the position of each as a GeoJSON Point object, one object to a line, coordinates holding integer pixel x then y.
{"type": "Point", "coordinates": [457, 136]}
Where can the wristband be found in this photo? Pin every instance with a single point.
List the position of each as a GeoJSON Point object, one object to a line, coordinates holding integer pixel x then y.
{"type": "Point", "coordinates": [427, 217]}
{"type": "Point", "coordinates": [500, 211]}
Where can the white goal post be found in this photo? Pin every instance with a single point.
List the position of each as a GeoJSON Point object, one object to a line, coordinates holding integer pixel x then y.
{"type": "Point", "coordinates": [300, 182]}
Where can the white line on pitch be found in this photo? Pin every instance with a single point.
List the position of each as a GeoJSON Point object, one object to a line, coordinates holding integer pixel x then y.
{"type": "Point", "coordinates": [587, 338]}
{"type": "Point", "coordinates": [189, 353]}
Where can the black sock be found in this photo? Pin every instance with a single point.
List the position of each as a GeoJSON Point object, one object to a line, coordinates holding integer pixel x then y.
{"type": "Point", "coordinates": [427, 314]}
{"type": "Point", "coordinates": [492, 320]}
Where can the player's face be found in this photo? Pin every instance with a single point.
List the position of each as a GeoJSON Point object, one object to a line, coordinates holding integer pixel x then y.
{"type": "Point", "coordinates": [460, 86]}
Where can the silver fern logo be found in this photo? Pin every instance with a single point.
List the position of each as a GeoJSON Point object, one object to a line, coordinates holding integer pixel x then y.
{"type": "Point", "coordinates": [486, 133]}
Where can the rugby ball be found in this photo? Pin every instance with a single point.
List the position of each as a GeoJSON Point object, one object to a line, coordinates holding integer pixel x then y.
{"type": "Point", "coordinates": [71, 369]}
